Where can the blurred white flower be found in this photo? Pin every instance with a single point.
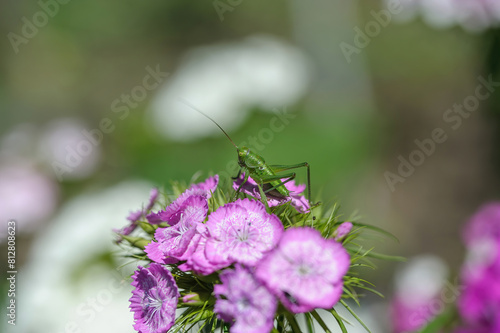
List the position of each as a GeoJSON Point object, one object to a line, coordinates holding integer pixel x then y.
{"type": "Point", "coordinates": [472, 15]}
{"type": "Point", "coordinates": [66, 141]}
{"type": "Point", "coordinates": [26, 195]}
{"type": "Point", "coordinates": [225, 81]}
{"type": "Point", "coordinates": [418, 295]}
{"type": "Point", "coordinates": [63, 278]}
{"type": "Point", "coordinates": [62, 141]}
{"type": "Point", "coordinates": [28, 190]}
{"type": "Point", "coordinates": [421, 279]}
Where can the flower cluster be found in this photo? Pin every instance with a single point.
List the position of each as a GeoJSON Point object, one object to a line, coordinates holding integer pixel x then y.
{"type": "Point", "coordinates": [479, 304]}
{"type": "Point", "coordinates": [239, 264]}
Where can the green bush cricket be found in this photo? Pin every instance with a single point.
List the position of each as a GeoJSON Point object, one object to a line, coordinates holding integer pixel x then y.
{"type": "Point", "coordinates": [265, 175]}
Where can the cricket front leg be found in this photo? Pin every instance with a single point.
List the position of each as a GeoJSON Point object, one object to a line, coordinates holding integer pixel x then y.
{"type": "Point", "coordinates": [242, 183]}
{"type": "Point", "coordinates": [263, 198]}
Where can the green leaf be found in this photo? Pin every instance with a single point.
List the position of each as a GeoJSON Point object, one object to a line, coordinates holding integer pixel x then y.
{"type": "Point", "coordinates": [385, 257]}
{"type": "Point", "coordinates": [372, 290]}
{"type": "Point", "coordinates": [439, 322]}
{"type": "Point", "coordinates": [355, 315]}
{"type": "Point", "coordinates": [355, 248]}
{"type": "Point", "coordinates": [377, 229]}
{"type": "Point", "coordinates": [293, 322]}
{"type": "Point", "coordinates": [339, 320]}
{"type": "Point", "coordinates": [321, 322]}
{"type": "Point", "coordinates": [309, 322]}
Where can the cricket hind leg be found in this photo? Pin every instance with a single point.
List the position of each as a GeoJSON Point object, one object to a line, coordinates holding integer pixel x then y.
{"type": "Point", "coordinates": [279, 168]}
{"type": "Point", "coordinates": [289, 177]}
{"type": "Point", "coordinates": [265, 180]}
{"type": "Point", "coordinates": [271, 191]}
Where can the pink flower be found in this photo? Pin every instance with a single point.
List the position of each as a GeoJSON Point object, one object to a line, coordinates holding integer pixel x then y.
{"type": "Point", "coordinates": [343, 230]}
{"type": "Point", "coordinates": [154, 299]}
{"type": "Point", "coordinates": [173, 212]}
{"type": "Point", "coordinates": [26, 195]}
{"type": "Point", "coordinates": [305, 271]}
{"type": "Point", "coordinates": [208, 186]}
{"type": "Point", "coordinates": [410, 317]}
{"type": "Point", "coordinates": [179, 241]}
{"type": "Point", "coordinates": [241, 231]}
{"type": "Point", "coordinates": [244, 301]}
{"type": "Point", "coordinates": [484, 224]}
{"type": "Point", "coordinates": [197, 261]}
{"type": "Point", "coordinates": [479, 303]}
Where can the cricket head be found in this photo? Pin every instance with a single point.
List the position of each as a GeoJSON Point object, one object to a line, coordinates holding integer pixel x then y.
{"type": "Point", "coordinates": [242, 154]}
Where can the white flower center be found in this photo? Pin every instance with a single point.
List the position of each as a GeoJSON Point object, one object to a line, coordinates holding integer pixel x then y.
{"type": "Point", "coordinates": [244, 233]}
{"type": "Point", "coordinates": [242, 304]}
{"type": "Point", "coordinates": [304, 270]}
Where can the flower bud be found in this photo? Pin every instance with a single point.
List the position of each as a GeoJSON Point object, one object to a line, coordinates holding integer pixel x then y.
{"type": "Point", "coordinates": [137, 242]}
{"type": "Point", "coordinates": [342, 230]}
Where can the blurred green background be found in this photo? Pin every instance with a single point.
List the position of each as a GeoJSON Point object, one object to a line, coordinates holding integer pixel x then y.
{"type": "Point", "coordinates": [354, 117]}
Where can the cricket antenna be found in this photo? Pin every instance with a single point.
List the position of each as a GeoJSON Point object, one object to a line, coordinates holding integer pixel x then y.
{"type": "Point", "coordinates": [207, 116]}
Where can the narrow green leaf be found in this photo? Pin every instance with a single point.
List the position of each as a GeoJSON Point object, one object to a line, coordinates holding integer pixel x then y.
{"type": "Point", "coordinates": [385, 257]}
{"type": "Point", "coordinates": [293, 322]}
{"type": "Point", "coordinates": [372, 290]}
{"type": "Point", "coordinates": [321, 322]}
{"type": "Point", "coordinates": [354, 315]}
{"type": "Point", "coordinates": [351, 295]}
{"type": "Point", "coordinates": [369, 253]}
{"type": "Point", "coordinates": [441, 321]}
{"type": "Point", "coordinates": [339, 320]}
{"type": "Point", "coordinates": [309, 322]}
{"type": "Point", "coordinates": [377, 229]}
